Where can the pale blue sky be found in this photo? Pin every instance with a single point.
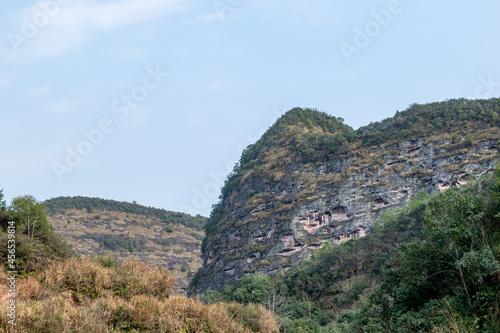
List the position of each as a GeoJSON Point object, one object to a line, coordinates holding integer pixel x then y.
{"type": "Point", "coordinates": [233, 67]}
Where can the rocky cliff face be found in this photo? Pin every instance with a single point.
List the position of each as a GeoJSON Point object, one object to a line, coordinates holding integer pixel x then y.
{"type": "Point", "coordinates": [269, 224]}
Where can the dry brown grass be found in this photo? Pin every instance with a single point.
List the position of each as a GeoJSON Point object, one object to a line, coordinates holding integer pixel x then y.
{"type": "Point", "coordinates": [84, 295]}
{"type": "Point", "coordinates": [382, 182]}
{"type": "Point", "coordinates": [3, 281]}
{"type": "Point", "coordinates": [83, 276]}
{"type": "Point", "coordinates": [255, 317]}
{"type": "Point", "coordinates": [152, 281]}
{"type": "Point", "coordinates": [143, 313]}
{"type": "Point", "coordinates": [29, 288]}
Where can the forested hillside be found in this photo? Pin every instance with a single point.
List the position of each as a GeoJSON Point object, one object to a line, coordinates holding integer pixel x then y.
{"type": "Point", "coordinates": [130, 231]}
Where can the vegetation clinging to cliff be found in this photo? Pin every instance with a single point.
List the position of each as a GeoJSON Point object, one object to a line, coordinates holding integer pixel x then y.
{"type": "Point", "coordinates": [432, 265]}
{"type": "Point", "coordinates": [305, 136]}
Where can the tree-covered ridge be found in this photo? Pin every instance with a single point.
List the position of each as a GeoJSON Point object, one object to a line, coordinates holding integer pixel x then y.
{"type": "Point", "coordinates": [458, 116]}
{"type": "Point", "coordinates": [433, 266]}
{"type": "Point", "coordinates": [61, 204]}
{"type": "Point", "coordinates": [315, 135]}
{"type": "Point", "coordinates": [294, 124]}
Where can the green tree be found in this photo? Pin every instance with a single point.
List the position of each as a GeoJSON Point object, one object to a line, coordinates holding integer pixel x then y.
{"type": "Point", "coordinates": [36, 244]}
{"type": "Point", "coordinates": [481, 109]}
{"type": "Point", "coordinates": [3, 206]}
{"type": "Point", "coordinates": [469, 139]}
{"type": "Point", "coordinates": [494, 116]}
{"type": "Point", "coordinates": [4, 215]}
{"type": "Point", "coordinates": [251, 289]}
{"type": "Point", "coordinates": [30, 213]}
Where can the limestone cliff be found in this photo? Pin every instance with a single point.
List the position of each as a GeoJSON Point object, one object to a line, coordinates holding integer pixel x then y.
{"type": "Point", "coordinates": [312, 179]}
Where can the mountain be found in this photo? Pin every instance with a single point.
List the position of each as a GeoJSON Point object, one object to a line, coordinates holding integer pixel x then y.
{"type": "Point", "coordinates": [311, 180]}
{"type": "Point", "coordinates": [130, 231]}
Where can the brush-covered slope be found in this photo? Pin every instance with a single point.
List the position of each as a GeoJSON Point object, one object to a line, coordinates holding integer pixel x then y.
{"type": "Point", "coordinates": [130, 231]}
{"type": "Point", "coordinates": [52, 291]}
{"type": "Point", "coordinates": [312, 179]}
{"type": "Point", "coordinates": [98, 295]}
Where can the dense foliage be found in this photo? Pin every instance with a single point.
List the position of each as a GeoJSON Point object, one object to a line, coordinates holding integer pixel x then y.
{"type": "Point", "coordinates": [458, 116]}
{"type": "Point", "coordinates": [4, 216]}
{"type": "Point", "coordinates": [60, 204]}
{"type": "Point", "coordinates": [114, 242]}
{"type": "Point", "coordinates": [36, 245]}
{"type": "Point", "coordinates": [3, 204]}
{"type": "Point", "coordinates": [428, 266]}
{"type": "Point", "coordinates": [326, 135]}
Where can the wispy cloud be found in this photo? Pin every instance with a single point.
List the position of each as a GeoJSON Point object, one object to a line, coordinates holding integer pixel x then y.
{"type": "Point", "coordinates": [73, 24]}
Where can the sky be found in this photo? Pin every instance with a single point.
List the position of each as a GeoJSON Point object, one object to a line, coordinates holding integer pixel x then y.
{"type": "Point", "coordinates": [153, 101]}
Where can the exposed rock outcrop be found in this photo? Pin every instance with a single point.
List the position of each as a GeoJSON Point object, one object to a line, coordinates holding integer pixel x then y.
{"type": "Point", "coordinates": [269, 225]}
{"type": "Point", "coordinates": [286, 229]}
